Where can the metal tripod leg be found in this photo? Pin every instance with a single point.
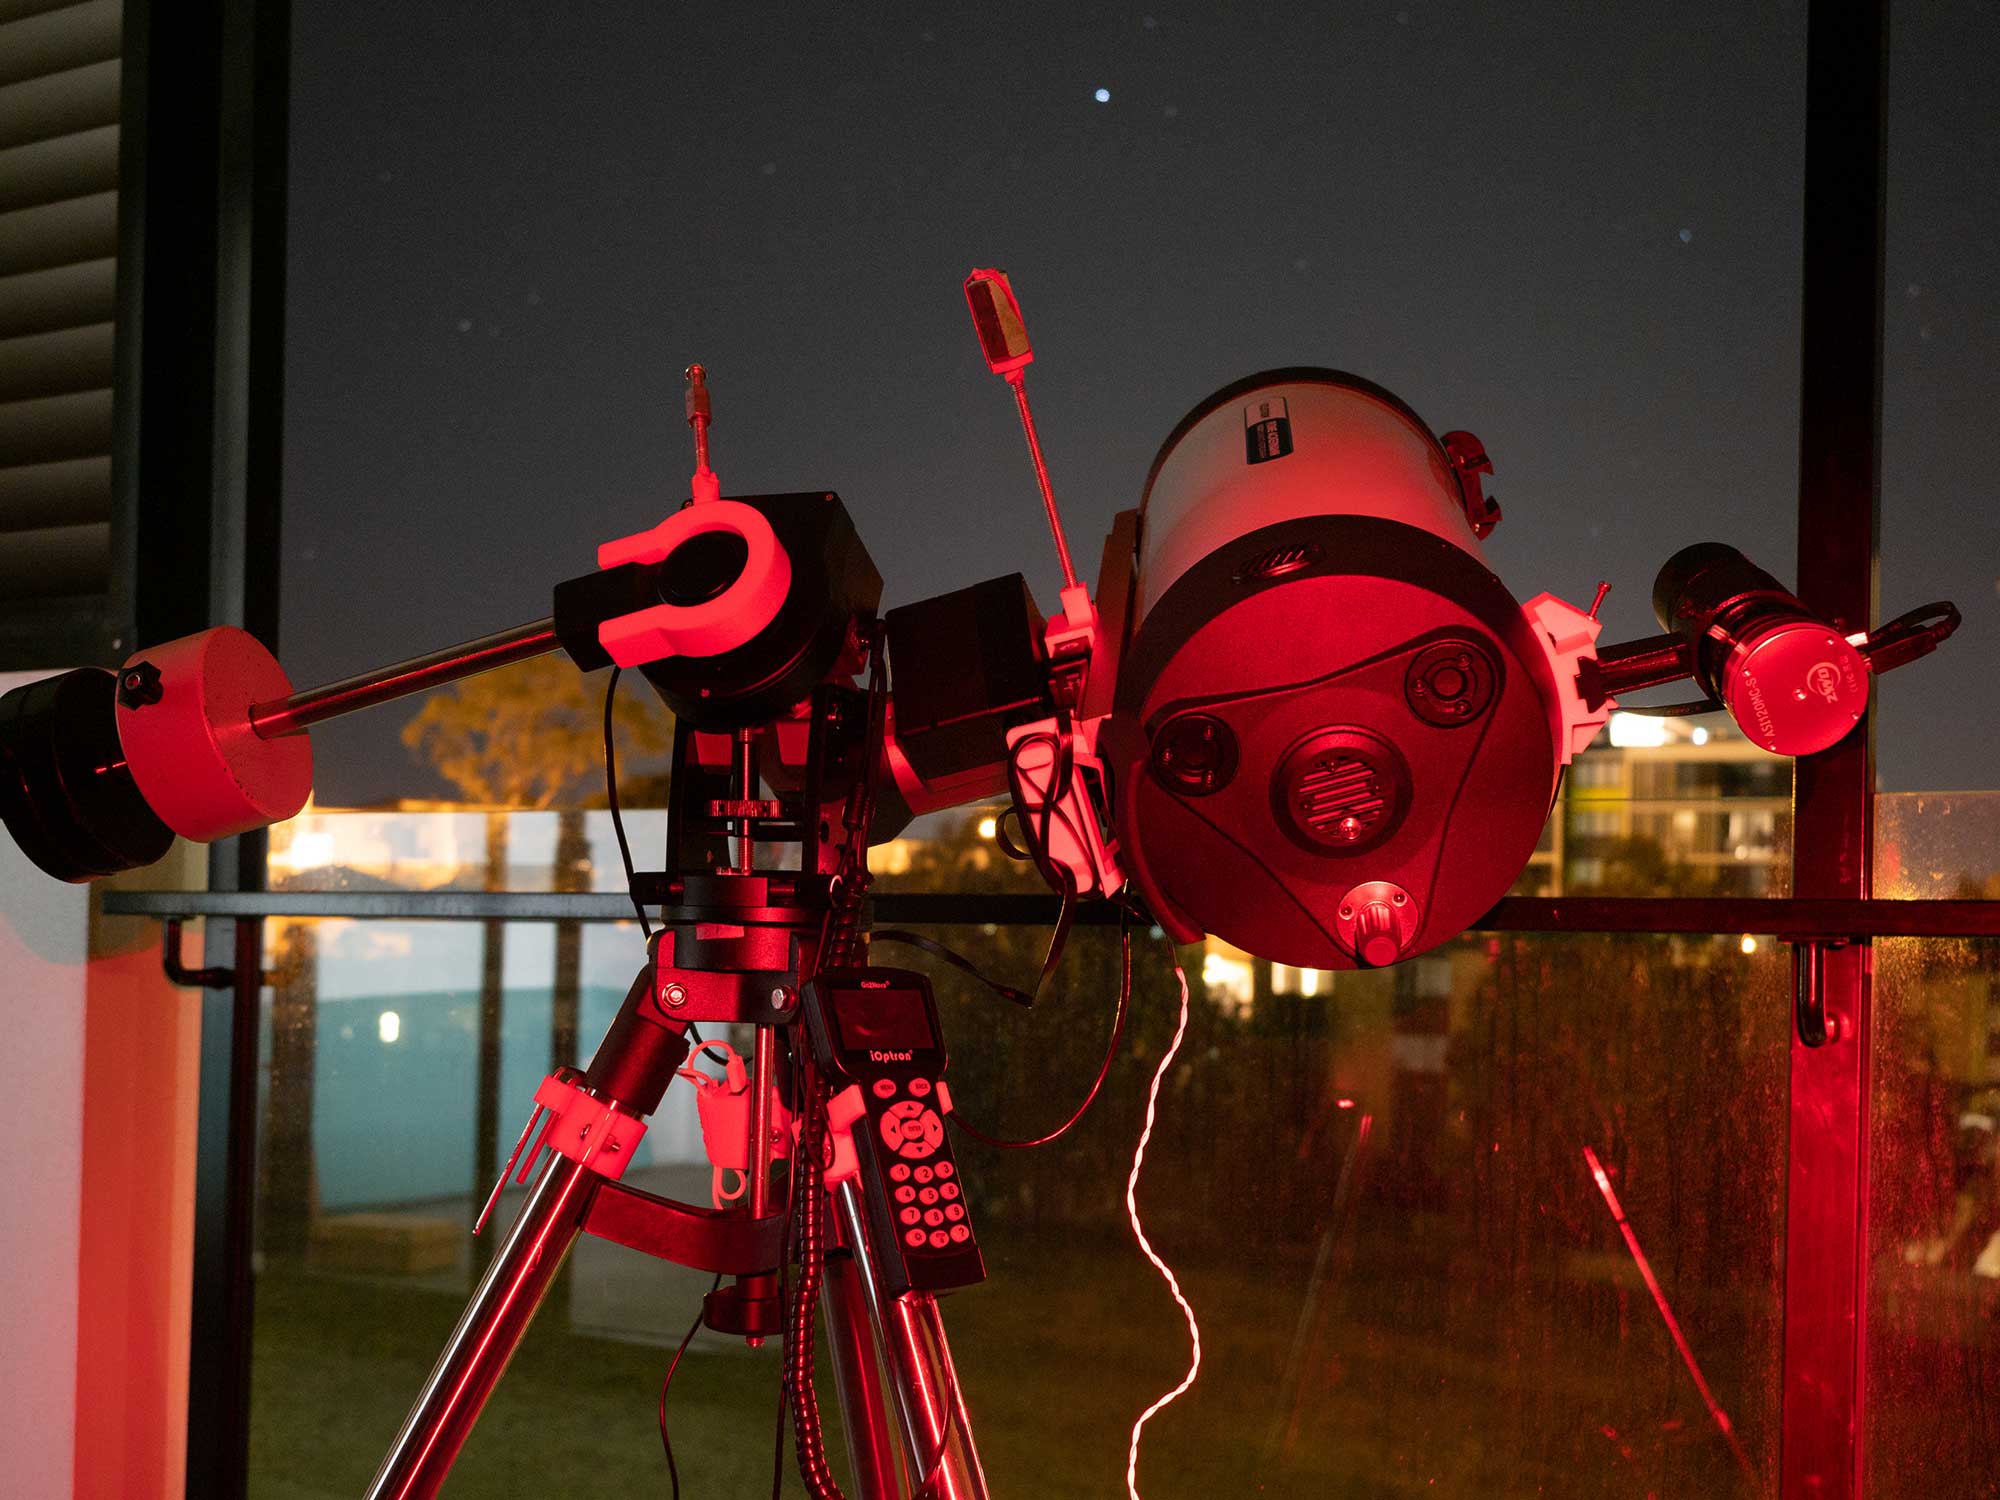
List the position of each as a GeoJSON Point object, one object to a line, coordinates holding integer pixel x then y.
{"type": "Point", "coordinates": [477, 1353]}
{"type": "Point", "coordinates": [850, 1339]}
{"type": "Point", "coordinates": [930, 1405]}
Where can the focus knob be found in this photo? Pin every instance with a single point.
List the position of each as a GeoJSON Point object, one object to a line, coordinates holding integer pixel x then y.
{"type": "Point", "coordinates": [1376, 942]}
{"type": "Point", "coordinates": [1377, 921]}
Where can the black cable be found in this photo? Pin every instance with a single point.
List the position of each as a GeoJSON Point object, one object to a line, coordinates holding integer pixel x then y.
{"type": "Point", "coordinates": [784, 1392]}
{"type": "Point", "coordinates": [1062, 771]}
{"type": "Point", "coordinates": [1103, 1071]}
{"type": "Point", "coordinates": [666, 1442]}
{"type": "Point", "coordinates": [1051, 959]}
{"type": "Point", "coordinates": [806, 1227]}
{"type": "Point", "coordinates": [625, 848]}
{"type": "Point", "coordinates": [957, 960]}
{"type": "Point", "coordinates": [611, 796]}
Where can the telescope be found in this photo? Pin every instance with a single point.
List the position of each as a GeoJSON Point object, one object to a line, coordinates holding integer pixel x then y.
{"type": "Point", "coordinates": [1298, 710]}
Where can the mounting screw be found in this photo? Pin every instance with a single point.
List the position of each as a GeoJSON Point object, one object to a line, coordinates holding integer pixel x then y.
{"type": "Point", "coordinates": [674, 995]}
{"type": "Point", "coordinates": [139, 685]}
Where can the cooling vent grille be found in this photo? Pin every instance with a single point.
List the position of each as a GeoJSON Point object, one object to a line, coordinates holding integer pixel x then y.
{"type": "Point", "coordinates": [1340, 798]}
{"type": "Point", "coordinates": [1278, 561]}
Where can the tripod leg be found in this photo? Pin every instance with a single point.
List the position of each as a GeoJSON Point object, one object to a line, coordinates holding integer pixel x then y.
{"type": "Point", "coordinates": [508, 1294]}
{"type": "Point", "coordinates": [930, 1406]}
{"type": "Point", "coordinates": [851, 1341]}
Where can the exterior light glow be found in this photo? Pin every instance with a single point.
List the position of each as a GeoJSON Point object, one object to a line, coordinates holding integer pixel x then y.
{"type": "Point", "coordinates": [389, 1026]}
{"type": "Point", "coordinates": [988, 827]}
{"type": "Point", "coordinates": [1749, 944]}
{"type": "Point", "coordinates": [308, 850]}
{"type": "Point", "coordinates": [1638, 731]}
{"type": "Point", "coordinates": [1228, 979]}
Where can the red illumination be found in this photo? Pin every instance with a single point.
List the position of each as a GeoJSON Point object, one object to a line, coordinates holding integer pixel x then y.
{"type": "Point", "coordinates": [1667, 1313]}
{"type": "Point", "coordinates": [1343, 1104]}
{"type": "Point", "coordinates": [716, 625]}
{"type": "Point", "coordinates": [1146, 1245]}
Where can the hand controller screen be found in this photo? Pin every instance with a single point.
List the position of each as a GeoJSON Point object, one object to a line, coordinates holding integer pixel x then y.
{"type": "Point", "coordinates": [877, 1029]}
{"type": "Point", "coordinates": [884, 1020]}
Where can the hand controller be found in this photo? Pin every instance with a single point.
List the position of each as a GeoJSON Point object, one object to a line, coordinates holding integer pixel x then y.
{"type": "Point", "coordinates": [877, 1029]}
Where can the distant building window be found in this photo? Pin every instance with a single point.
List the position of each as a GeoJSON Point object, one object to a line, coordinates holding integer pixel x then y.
{"type": "Point", "coordinates": [1596, 770]}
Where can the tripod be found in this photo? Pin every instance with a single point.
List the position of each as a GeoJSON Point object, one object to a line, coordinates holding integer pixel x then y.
{"type": "Point", "coordinates": [736, 943]}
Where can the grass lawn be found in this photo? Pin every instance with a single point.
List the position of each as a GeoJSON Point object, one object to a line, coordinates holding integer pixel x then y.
{"type": "Point", "coordinates": [1053, 1386]}
{"type": "Point", "coordinates": [1058, 1353]}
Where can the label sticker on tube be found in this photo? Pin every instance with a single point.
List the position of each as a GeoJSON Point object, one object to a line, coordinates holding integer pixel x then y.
{"type": "Point", "coordinates": [1267, 430]}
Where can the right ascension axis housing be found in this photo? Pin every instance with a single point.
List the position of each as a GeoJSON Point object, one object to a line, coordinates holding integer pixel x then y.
{"type": "Point", "coordinates": [1339, 733]}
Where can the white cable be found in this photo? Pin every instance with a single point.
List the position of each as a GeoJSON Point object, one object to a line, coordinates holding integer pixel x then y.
{"type": "Point", "coordinates": [1146, 1245]}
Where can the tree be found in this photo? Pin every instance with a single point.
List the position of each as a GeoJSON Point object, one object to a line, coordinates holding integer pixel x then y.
{"type": "Point", "coordinates": [528, 736]}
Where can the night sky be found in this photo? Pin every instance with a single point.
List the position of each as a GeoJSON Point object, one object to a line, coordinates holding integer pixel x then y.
{"type": "Point", "coordinates": [1574, 233]}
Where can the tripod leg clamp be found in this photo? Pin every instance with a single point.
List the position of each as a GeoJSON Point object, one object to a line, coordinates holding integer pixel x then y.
{"type": "Point", "coordinates": [842, 1110]}
{"type": "Point", "coordinates": [588, 1130]}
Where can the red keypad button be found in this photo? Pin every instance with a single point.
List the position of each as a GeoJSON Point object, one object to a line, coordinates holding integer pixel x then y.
{"type": "Point", "coordinates": [914, 1237]}
{"type": "Point", "coordinates": [948, 1191]}
{"type": "Point", "coordinates": [924, 1174]}
{"type": "Point", "coordinates": [920, 1087]}
{"type": "Point", "coordinates": [933, 1217]}
{"type": "Point", "coordinates": [885, 1088]}
{"type": "Point", "coordinates": [939, 1239]}
{"type": "Point", "coordinates": [911, 1215]}
{"type": "Point", "coordinates": [952, 1211]}
{"type": "Point", "coordinates": [907, 1194]}
{"type": "Point", "coordinates": [899, 1173]}
{"type": "Point", "coordinates": [927, 1195]}
{"type": "Point", "coordinates": [946, 1169]}
{"type": "Point", "coordinates": [960, 1234]}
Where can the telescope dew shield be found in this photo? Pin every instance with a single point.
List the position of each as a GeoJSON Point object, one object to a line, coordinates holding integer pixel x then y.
{"type": "Point", "coordinates": [184, 720]}
{"type": "Point", "coordinates": [1791, 681]}
{"type": "Point", "coordinates": [1326, 693]}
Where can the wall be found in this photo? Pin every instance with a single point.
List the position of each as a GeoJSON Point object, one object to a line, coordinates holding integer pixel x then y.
{"type": "Point", "coordinates": [44, 936]}
{"type": "Point", "coordinates": [96, 1189]}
